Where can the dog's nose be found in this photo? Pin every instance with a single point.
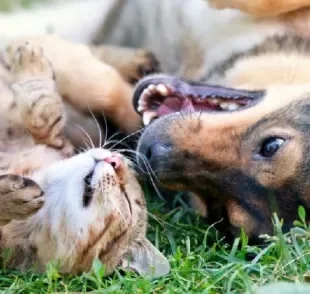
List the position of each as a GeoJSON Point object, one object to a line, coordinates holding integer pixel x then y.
{"type": "Point", "coordinates": [155, 153]}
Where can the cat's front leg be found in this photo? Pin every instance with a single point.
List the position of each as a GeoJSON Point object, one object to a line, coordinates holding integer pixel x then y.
{"type": "Point", "coordinates": [85, 82]}
{"type": "Point", "coordinates": [20, 198]}
{"type": "Point", "coordinates": [36, 95]}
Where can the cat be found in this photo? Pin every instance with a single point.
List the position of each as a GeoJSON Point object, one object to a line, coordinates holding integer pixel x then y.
{"type": "Point", "coordinates": [56, 205]}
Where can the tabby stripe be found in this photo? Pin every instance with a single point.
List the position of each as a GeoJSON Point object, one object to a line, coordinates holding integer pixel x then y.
{"type": "Point", "coordinates": [129, 203]}
{"type": "Point", "coordinates": [34, 103]}
{"type": "Point", "coordinates": [30, 82]}
{"type": "Point", "coordinates": [90, 246]}
{"type": "Point", "coordinates": [111, 244]}
{"type": "Point", "coordinates": [57, 120]}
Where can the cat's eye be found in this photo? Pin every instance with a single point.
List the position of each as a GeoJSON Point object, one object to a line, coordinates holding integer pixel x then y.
{"type": "Point", "coordinates": [88, 190]}
{"type": "Point", "coordinates": [88, 178]}
{"type": "Point", "coordinates": [271, 146]}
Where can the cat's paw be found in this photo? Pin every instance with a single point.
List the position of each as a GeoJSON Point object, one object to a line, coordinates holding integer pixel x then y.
{"type": "Point", "coordinates": [36, 95]}
{"type": "Point", "coordinates": [42, 111]}
{"type": "Point", "coordinates": [141, 64]}
{"type": "Point", "coordinates": [19, 198]}
{"type": "Point", "coordinates": [29, 61]}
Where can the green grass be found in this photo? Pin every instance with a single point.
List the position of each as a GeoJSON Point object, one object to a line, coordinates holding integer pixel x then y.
{"type": "Point", "coordinates": [10, 5]}
{"type": "Point", "coordinates": [200, 262]}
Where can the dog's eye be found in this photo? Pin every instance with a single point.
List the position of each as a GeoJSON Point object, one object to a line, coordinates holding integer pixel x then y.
{"type": "Point", "coordinates": [270, 146]}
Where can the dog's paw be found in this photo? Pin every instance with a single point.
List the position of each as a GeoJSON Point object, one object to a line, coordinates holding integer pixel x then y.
{"type": "Point", "coordinates": [19, 198]}
{"type": "Point", "coordinates": [220, 4]}
{"type": "Point", "coordinates": [142, 63]}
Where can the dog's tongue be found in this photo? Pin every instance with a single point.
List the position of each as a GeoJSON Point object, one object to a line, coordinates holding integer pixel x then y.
{"type": "Point", "coordinates": [174, 104]}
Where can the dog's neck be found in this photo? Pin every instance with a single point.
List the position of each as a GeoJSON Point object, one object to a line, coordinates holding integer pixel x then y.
{"type": "Point", "coordinates": [279, 60]}
{"type": "Point", "coordinates": [271, 69]}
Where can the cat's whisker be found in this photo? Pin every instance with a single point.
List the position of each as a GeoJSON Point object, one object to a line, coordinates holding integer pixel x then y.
{"type": "Point", "coordinates": [157, 219]}
{"type": "Point", "coordinates": [114, 141]}
{"type": "Point", "coordinates": [87, 147]}
{"type": "Point", "coordinates": [150, 171]}
{"type": "Point", "coordinates": [87, 136]}
{"type": "Point", "coordinates": [98, 127]}
{"type": "Point", "coordinates": [127, 137]}
{"type": "Point", "coordinates": [142, 157]}
{"type": "Point", "coordinates": [106, 128]}
{"type": "Point", "coordinates": [108, 140]}
{"type": "Point", "coordinates": [111, 199]}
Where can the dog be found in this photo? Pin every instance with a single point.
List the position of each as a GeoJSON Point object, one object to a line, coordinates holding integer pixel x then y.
{"type": "Point", "coordinates": [249, 95]}
{"type": "Point", "coordinates": [231, 122]}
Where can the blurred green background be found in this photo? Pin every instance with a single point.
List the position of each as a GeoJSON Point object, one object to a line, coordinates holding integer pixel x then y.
{"type": "Point", "coordinates": [10, 5]}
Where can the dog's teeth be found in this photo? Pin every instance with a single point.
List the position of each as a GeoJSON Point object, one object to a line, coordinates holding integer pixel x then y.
{"type": "Point", "coordinates": [145, 94]}
{"type": "Point", "coordinates": [140, 108]}
{"type": "Point", "coordinates": [233, 106]}
{"type": "Point", "coordinates": [224, 105]}
{"type": "Point", "coordinates": [142, 102]}
{"type": "Point", "coordinates": [162, 89]}
{"type": "Point", "coordinates": [214, 101]}
{"type": "Point", "coordinates": [148, 116]}
{"type": "Point", "coordinates": [229, 106]}
{"type": "Point", "coordinates": [152, 88]}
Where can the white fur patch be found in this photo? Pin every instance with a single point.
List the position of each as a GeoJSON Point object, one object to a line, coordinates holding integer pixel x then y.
{"type": "Point", "coordinates": [74, 20]}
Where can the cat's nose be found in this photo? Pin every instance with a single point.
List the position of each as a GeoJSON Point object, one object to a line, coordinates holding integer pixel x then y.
{"type": "Point", "coordinates": [106, 156]}
{"type": "Point", "coordinates": [114, 161]}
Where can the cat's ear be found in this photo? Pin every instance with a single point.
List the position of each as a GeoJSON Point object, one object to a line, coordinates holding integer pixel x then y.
{"type": "Point", "coordinates": [146, 260]}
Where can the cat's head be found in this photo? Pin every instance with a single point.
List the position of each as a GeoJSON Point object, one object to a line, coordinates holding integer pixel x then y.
{"type": "Point", "coordinates": [94, 208]}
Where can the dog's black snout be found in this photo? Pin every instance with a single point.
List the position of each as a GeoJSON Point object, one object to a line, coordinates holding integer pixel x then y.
{"type": "Point", "coordinates": [154, 154]}
{"type": "Point", "coordinates": [156, 151]}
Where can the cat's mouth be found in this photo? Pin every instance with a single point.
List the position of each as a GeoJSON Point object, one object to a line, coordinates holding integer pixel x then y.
{"type": "Point", "coordinates": [156, 97]}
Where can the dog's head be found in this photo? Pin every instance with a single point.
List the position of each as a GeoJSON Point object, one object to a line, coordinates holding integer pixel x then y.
{"type": "Point", "coordinates": [246, 152]}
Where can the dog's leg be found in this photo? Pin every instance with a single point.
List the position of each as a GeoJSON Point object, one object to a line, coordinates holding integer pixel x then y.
{"type": "Point", "coordinates": [132, 64]}
{"type": "Point", "coordinates": [241, 218]}
{"type": "Point", "coordinates": [199, 204]}
{"type": "Point", "coordinates": [36, 96]}
{"type": "Point", "coordinates": [262, 8]}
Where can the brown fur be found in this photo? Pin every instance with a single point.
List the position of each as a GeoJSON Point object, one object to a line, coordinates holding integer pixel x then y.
{"type": "Point", "coordinates": [262, 8]}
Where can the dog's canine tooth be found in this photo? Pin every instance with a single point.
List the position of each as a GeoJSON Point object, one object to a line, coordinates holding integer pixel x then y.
{"type": "Point", "coordinates": [142, 102]}
{"type": "Point", "coordinates": [145, 94]}
{"type": "Point", "coordinates": [152, 88]}
{"type": "Point", "coordinates": [140, 108]}
{"type": "Point", "coordinates": [148, 116]}
{"type": "Point", "coordinates": [162, 89]}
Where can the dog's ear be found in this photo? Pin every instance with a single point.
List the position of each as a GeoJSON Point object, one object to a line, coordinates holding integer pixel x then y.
{"type": "Point", "coordinates": [146, 260]}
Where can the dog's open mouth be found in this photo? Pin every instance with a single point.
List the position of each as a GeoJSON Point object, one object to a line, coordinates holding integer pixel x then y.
{"type": "Point", "coordinates": [154, 98]}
